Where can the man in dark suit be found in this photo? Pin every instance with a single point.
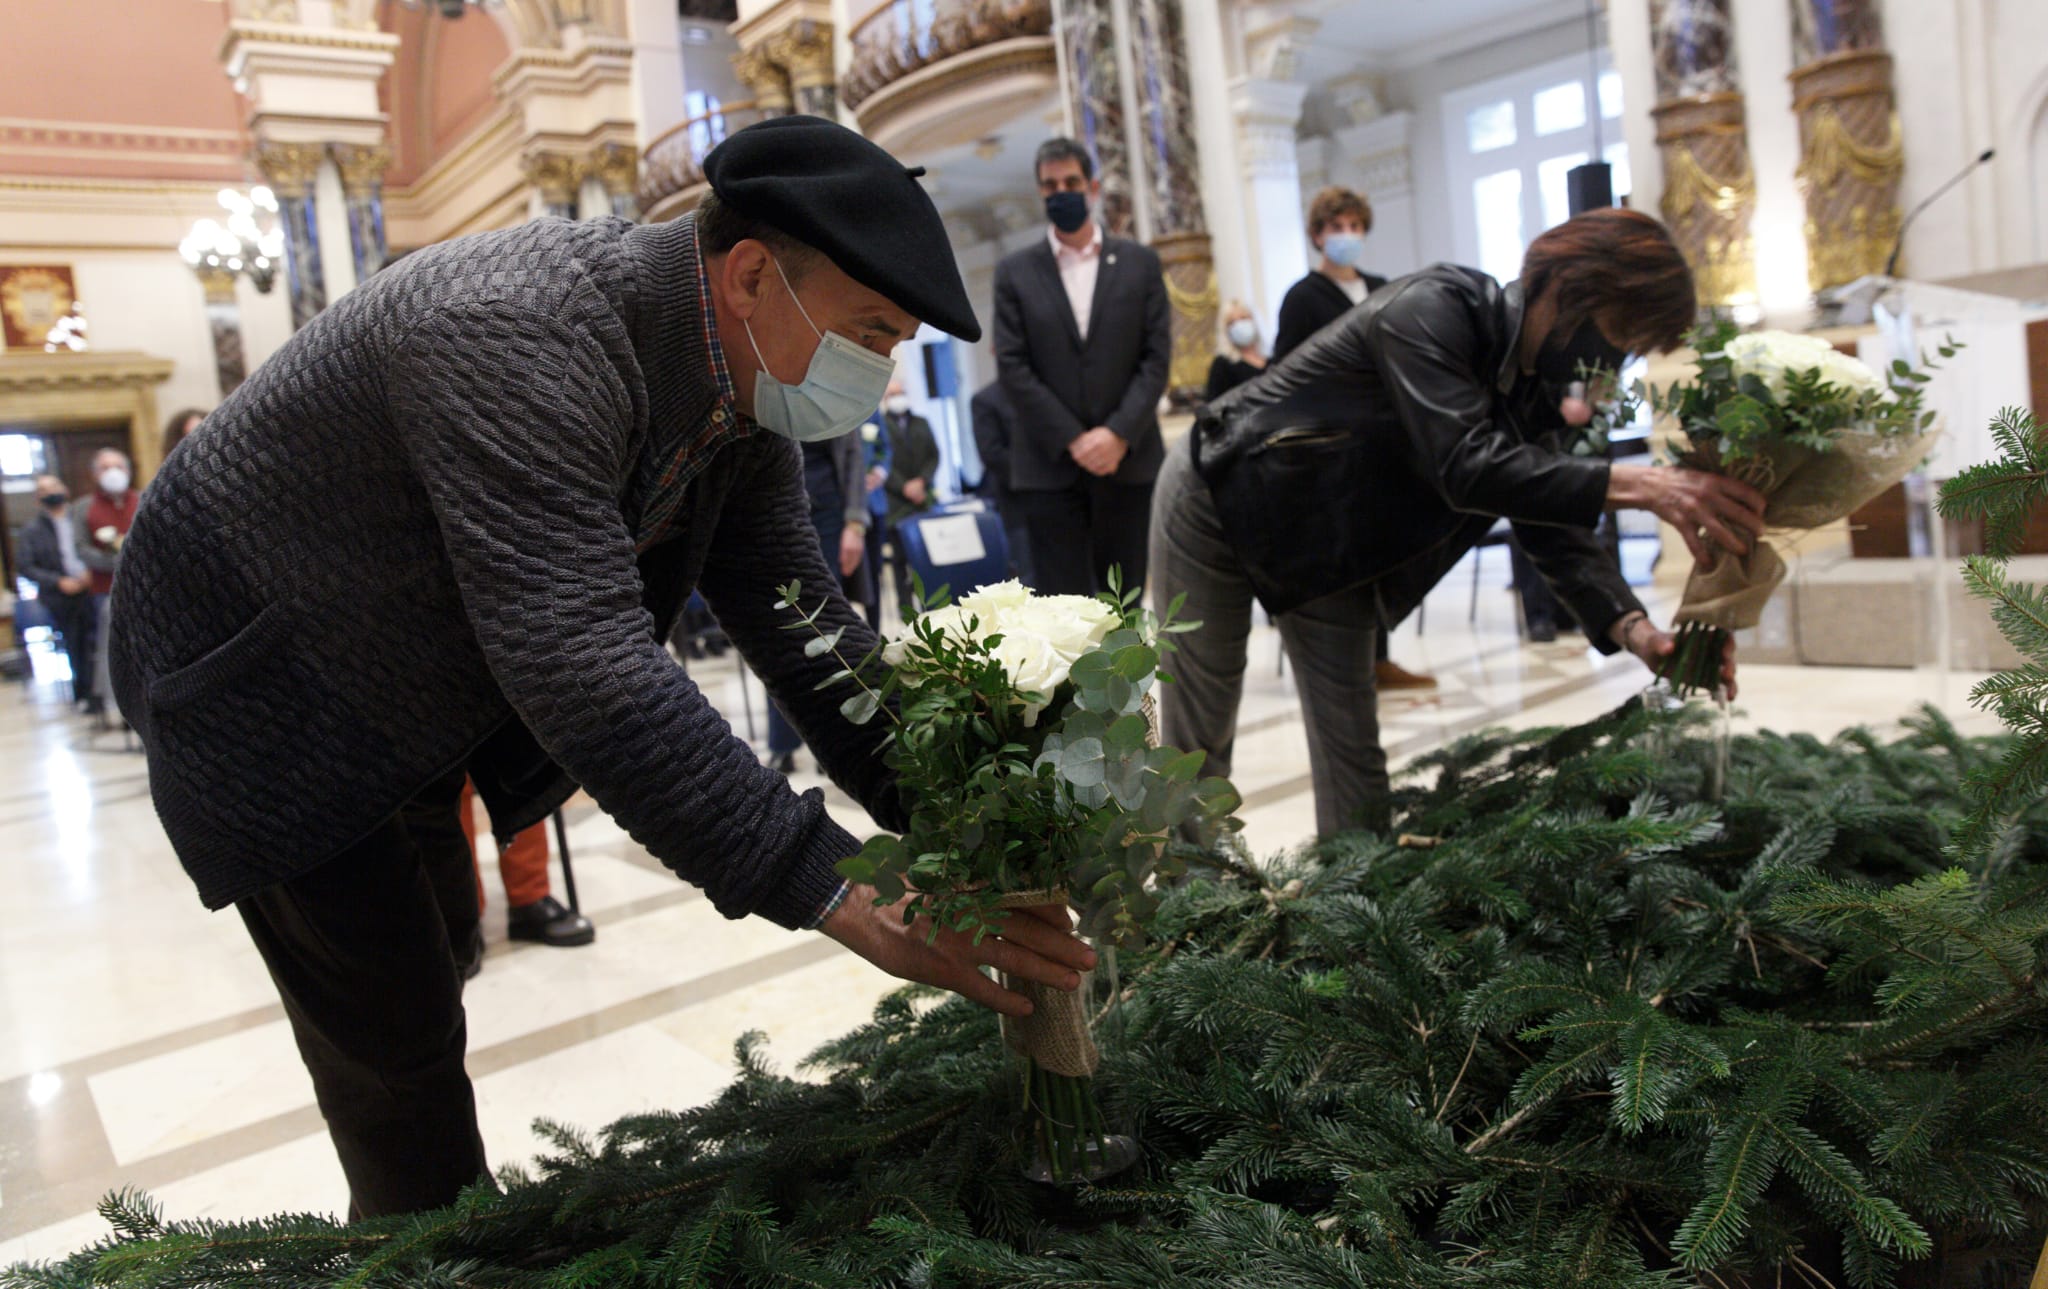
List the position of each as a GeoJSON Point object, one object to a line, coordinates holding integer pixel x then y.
{"type": "Point", "coordinates": [1082, 349]}
{"type": "Point", "coordinates": [50, 557]}
{"type": "Point", "coordinates": [913, 464]}
{"type": "Point", "coordinates": [994, 426]}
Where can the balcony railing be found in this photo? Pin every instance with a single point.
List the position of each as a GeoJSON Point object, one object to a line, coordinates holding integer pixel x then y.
{"type": "Point", "coordinates": [904, 36]}
{"type": "Point", "coordinates": [673, 164]}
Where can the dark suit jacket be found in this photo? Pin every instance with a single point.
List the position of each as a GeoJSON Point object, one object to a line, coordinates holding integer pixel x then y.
{"type": "Point", "coordinates": [1312, 304]}
{"type": "Point", "coordinates": [990, 409]}
{"type": "Point", "coordinates": [42, 559]}
{"type": "Point", "coordinates": [1059, 387]}
{"type": "Point", "coordinates": [913, 454]}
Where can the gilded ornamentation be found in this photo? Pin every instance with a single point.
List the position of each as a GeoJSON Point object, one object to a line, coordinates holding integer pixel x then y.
{"type": "Point", "coordinates": [1710, 194]}
{"type": "Point", "coordinates": [362, 167]}
{"type": "Point", "coordinates": [217, 282]}
{"type": "Point", "coordinates": [766, 79]}
{"type": "Point", "coordinates": [1851, 159]}
{"type": "Point", "coordinates": [33, 299]}
{"type": "Point", "coordinates": [290, 167]}
{"type": "Point", "coordinates": [617, 167]}
{"type": "Point", "coordinates": [556, 175]}
{"type": "Point", "coordinates": [1194, 299]}
{"type": "Point", "coordinates": [896, 40]}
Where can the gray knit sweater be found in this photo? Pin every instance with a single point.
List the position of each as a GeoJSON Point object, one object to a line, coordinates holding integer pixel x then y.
{"type": "Point", "coordinates": [406, 543]}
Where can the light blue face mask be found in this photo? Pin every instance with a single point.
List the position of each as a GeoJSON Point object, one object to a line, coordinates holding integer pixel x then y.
{"type": "Point", "coordinates": [1344, 248]}
{"type": "Point", "coordinates": [842, 388]}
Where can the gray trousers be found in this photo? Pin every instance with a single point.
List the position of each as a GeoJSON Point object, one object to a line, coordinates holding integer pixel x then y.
{"type": "Point", "coordinates": [1331, 642]}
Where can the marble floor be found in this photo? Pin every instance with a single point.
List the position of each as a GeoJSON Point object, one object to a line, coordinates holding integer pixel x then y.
{"type": "Point", "coordinates": [141, 1043]}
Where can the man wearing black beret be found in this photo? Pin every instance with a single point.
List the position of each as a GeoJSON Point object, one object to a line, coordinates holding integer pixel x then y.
{"type": "Point", "coordinates": [445, 530]}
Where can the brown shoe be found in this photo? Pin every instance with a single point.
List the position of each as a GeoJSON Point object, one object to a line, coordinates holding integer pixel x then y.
{"type": "Point", "coordinates": [1392, 675]}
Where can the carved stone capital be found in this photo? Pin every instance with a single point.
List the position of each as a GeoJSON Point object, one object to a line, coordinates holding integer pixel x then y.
{"type": "Point", "coordinates": [764, 78]}
{"type": "Point", "coordinates": [217, 282]}
{"type": "Point", "coordinates": [617, 167]}
{"type": "Point", "coordinates": [290, 167]}
{"type": "Point", "coordinates": [362, 167]}
{"type": "Point", "coordinates": [804, 51]}
{"type": "Point", "coordinates": [1359, 98]}
{"type": "Point", "coordinates": [556, 175]}
{"type": "Point", "coordinates": [1273, 52]}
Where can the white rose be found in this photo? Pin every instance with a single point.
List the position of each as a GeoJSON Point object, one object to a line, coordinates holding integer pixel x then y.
{"type": "Point", "coordinates": [1770, 355]}
{"type": "Point", "coordinates": [994, 600]}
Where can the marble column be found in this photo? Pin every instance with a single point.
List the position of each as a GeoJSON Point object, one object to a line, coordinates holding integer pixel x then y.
{"type": "Point", "coordinates": [765, 80]}
{"type": "Point", "coordinates": [224, 321]}
{"type": "Point", "coordinates": [556, 176]}
{"type": "Point", "coordinates": [1096, 110]}
{"type": "Point", "coordinates": [617, 167]}
{"type": "Point", "coordinates": [362, 170]}
{"type": "Point", "coordinates": [804, 52]}
{"type": "Point", "coordinates": [1709, 196]}
{"type": "Point", "coordinates": [1171, 168]}
{"type": "Point", "coordinates": [1851, 156]}
{"type": "Point", "coordinates": [1269, 167]}
{"type": "Point", "coordinates": [291, 169]}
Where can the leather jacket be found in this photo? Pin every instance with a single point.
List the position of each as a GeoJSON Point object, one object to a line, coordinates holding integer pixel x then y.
{"type": "Point", "coordinates": [1381, 451]}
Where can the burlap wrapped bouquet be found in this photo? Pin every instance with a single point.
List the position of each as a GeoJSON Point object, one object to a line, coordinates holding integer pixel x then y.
{"type": "Point", "coordinates": [1021, 737]}
{"type": "Point", "coordinates": [1816, 431]}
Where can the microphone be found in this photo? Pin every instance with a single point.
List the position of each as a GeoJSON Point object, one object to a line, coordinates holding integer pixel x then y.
{"type": "Point", "coordinates": [1892, 263]}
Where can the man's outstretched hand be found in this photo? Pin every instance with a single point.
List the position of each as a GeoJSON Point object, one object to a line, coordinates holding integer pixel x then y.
{"type": "Point", "coordinates": [1037, 944]}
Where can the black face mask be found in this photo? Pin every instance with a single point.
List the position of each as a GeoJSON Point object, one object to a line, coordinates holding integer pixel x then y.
{"type": "Point", "coordinates": [1561, 359]}
{"type": "Point", "coordinates": [54, 500]}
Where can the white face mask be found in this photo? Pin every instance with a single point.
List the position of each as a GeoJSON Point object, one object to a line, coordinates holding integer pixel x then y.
{"type": "Point", "coordinates": [896, 404]}
{"type": "Point", "coordinates": [1244, 333]}
{"type": "Point", "coordinates": [113, 481]}
{"type": "Point", "coordinates": [840, 389]}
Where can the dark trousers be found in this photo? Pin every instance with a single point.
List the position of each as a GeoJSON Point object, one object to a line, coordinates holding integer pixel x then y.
{"type": "Point", "coordinates": [74, 619]}
{"type": "Point", "coordinates": [1077, 534]}
{"type": "Point", "coordinates": [367, 952]}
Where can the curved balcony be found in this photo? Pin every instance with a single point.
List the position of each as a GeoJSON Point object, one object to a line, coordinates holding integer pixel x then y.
{"type": "Point", "coordinates": [672, 166]}
{"type": "Point", "coordinates": [933, 74]}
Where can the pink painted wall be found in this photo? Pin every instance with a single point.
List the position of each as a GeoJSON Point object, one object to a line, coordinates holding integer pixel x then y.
{"type": "Point", "coordinates": [150, 67]}
{"type": "Point", "coordinates": [440, 87]}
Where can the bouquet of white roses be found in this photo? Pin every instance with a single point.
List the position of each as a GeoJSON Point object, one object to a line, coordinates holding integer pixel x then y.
{"type": "Point", "coordinates": [1818, 432]}
{"type": "Point", "coordinates": [1021, 737]}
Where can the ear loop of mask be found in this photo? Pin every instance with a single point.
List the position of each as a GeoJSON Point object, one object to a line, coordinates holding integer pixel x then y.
{"type": "Point", "coordinates": [748, 324]}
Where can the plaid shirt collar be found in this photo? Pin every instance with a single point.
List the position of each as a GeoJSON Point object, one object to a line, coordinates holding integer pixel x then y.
{"type": "Point", "coordinates": [723, 424]}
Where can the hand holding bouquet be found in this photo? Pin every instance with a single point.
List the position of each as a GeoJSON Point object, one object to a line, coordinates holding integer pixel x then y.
{"type": "Point", "coordinates": [1020, 734]}
{"type": "Point", "coordinates": [1816, 432]}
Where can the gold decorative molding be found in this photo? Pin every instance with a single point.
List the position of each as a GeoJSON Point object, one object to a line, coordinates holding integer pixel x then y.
{"type": "Point", "coordinates": [803, 50]}
{"type": "Point", "coordinates": [1851, 158]}
{"type": "Point", "coordinates": [362, 167]}
{"type": "Point", "coordinates": [765, 79]}
{"type": "Point", "coordinates": [557, 176]}
{"type": "Point", "coordinates": [218, 283]}
{"type": "Point", "coordinates": [617, 167]}
{"type": "Point", "coordinates": [290, 167]}
{"type": "Point", "coordinates": [88, 389]}
{"type": "Point", "coordinates": [1194, 299]}
{"type": "Point", "coordinates": [1710, 193]}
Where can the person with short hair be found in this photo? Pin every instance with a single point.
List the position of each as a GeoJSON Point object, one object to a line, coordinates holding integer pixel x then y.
{"type": "Point", "coordinates": [445, 530]}
{"type": "Point", "coordinates": [1083, 346]}
{"type": "Point", "coordinates": [1341, 485]}
{"type": "Point", "coordinates": [103, 524]}
{"type": "Point", "coordinates": [1338, 220]}
{"type": "Point", "coordinates": [178, 428]}
{"type": "Point", "coordinates": [51, 560]}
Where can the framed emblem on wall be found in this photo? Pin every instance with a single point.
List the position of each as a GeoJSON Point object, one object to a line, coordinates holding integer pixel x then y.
{"type": "Point", "coordinates": [34, 298]}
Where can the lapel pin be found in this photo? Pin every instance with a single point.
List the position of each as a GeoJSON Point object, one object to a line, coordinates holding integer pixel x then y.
{"type": "Point", "coordinates": [1112, 259]}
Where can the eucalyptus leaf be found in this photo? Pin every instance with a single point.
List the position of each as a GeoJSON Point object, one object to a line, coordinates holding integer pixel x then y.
{"type": "Point", "coordinates": [1083, 763]}
{"type": "Point", "coordinates": [861, 708]}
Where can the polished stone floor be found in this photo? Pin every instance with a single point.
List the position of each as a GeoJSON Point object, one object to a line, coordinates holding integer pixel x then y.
{"type": "Point", "coordinates": [141, 1043]}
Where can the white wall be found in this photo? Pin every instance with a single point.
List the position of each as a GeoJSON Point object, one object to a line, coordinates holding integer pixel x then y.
{"type": "Point", "coordinates": [1421, 90]}
{"type": "Point", "coordinates": [1972, 74]}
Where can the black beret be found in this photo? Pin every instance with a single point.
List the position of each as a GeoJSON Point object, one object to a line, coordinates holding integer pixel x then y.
{"type": "Point", "coordinates": [855, 204]}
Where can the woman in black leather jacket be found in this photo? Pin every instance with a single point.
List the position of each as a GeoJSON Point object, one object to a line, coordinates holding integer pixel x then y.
{"type": "Point", "coordinates": [1338, 487]}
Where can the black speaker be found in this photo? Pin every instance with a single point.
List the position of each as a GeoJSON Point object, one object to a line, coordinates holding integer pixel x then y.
{"type": "Point", "coordinates": [1589, 187]}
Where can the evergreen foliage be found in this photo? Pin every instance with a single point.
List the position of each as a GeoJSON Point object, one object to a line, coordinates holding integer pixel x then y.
{"type": "Point", "coordinates": [1575, 1027]}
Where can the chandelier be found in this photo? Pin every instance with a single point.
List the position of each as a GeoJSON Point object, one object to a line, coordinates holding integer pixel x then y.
{"type": "Point", "coordinates": [240, 245]}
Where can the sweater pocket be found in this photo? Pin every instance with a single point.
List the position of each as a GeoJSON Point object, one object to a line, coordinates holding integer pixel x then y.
{"type": "Point", "coordinates": [233, 657]}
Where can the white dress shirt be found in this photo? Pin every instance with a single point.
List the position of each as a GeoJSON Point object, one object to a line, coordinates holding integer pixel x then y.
{"type": "Point", "coordinates": [1355, 288]}
{"type": "Point", "coordinates": [1078, 269]}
